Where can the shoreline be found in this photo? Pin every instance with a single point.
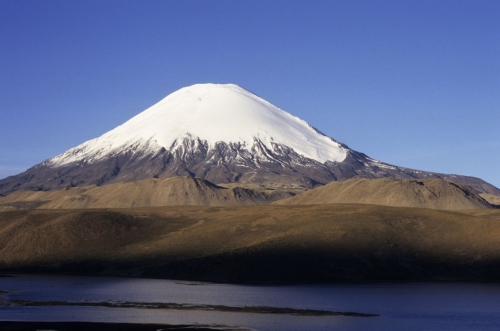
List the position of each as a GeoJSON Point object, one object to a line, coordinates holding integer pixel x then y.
{"type": "Point", "coordinates": [103, 326]}
{"type": "Point", "coordinates": [197, 282]}
{"type": "Point", "coordinates": [178, 306]}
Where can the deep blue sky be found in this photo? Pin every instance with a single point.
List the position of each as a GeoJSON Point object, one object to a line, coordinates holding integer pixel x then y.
{"type": "Point", "coordinates": [412, 83]}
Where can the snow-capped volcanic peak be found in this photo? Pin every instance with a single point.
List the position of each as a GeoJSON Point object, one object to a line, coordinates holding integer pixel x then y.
{"type": "Point", "coordinates": [213, 113]}
{"type": "Point", "coordinates": [220, 133]}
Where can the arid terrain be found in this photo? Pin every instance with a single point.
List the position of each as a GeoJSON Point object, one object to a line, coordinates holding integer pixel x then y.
{"type": "Point", "coordinates": [492, 199]}
{"type": "Point", "coordinates": [152, 192]}
{"type": "Point", "coordinates": [427, 193]}
{"type": "Point", "coordinates": [176, 191]}
{"type": "Point", "coordinates": [188, 228]}
{"type": "Point", "coordinates": [264, 244]}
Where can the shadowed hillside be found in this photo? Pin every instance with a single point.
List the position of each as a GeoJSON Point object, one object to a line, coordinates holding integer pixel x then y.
{"type": "Point", "coordinates": [492, 199]}
{"type": "Point", "coordinates": [268, 244]}
{"type": "Point", "coordinates": [429, 193]}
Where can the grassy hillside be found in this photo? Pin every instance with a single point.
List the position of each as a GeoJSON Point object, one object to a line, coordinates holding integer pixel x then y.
{"type": "Point", "coordinates": [249, 244]}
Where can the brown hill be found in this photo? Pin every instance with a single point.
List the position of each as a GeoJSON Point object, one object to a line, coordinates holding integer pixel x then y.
{"type": "Point", "coordinates": [256, 244]}
{"type": "Point", "coordinates": [494, 200]}
{"type": "Point", "coordinates": [145, 193]}
{"type": "Point", "coordinates": [429, 193]}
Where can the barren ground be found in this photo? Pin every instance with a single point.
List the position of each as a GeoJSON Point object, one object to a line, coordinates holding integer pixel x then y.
{"type": "Point", "coordinates": [257, 244]}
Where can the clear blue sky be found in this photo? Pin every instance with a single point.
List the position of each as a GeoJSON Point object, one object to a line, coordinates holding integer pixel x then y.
{"type": "Point", "coordinates": [412, 83]}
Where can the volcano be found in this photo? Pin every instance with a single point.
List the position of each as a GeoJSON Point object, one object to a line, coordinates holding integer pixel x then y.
{"type": "Point", "coordinates": [221, 133]}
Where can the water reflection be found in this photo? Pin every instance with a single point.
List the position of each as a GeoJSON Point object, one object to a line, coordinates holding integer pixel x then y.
{"type": "Point", "coordinates": [447, 306]}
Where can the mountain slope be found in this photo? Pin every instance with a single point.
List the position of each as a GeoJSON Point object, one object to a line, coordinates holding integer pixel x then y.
{"type": "Point", "coordinates": [146, 193]}
{"type": "Point", "coordinates": [429, 193]}
{"type": "Point", "coordinates": [221, 133]}
{"type": "Point", "coordinates": [492, 199]}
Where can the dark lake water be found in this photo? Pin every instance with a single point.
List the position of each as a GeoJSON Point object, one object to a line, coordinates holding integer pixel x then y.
{"type": "Point", "coordinates": [421, 306]}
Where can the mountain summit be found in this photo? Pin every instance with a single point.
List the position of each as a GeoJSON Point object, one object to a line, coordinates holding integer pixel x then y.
{"type": "Point", "coordinates": [208, 114]}
{"type": "Point", "coordinates": [221, 133]}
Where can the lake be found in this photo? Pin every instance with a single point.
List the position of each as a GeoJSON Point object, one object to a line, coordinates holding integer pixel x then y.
{"type": "Point", "coordinates": [401, 306]}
